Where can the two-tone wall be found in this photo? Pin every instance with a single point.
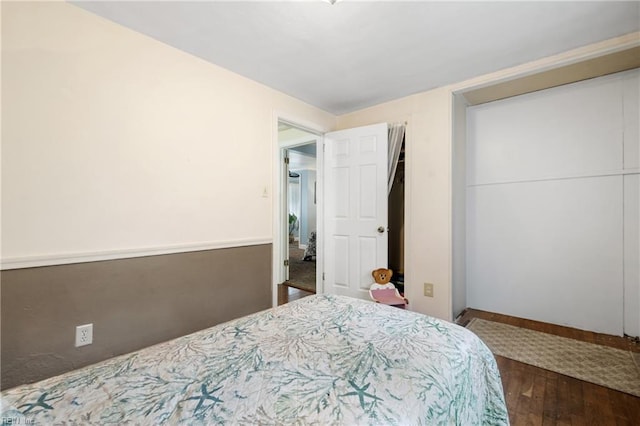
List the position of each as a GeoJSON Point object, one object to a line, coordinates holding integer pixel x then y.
{"type": "Point", "coordinates": [116, 146]}
{"type": "Point", "coordinates": [132, 303]}
{"type": "Point", "coordinates": [135, 191]}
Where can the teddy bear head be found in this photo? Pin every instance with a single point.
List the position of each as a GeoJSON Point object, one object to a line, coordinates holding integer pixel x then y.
{"type": "Point", "coordinates": [382, 275]}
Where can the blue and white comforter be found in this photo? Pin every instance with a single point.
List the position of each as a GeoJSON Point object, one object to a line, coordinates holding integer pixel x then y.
{"type": "Point", "coordinates": [321, 360]}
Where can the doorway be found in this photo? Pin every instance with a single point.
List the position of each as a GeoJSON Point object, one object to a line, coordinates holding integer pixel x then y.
{"type": "Point", "coordinates": [299, 211]}
{"type": "Point", "coordinates": [396, 223]}
{"type": "Point", "coordinates": [363, 263]}
{"type": "Point", "coordinates": [302, 217]}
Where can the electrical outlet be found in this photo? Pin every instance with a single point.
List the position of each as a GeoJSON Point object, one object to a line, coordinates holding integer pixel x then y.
{"type": "Point", "coordinates": [84, 335]}
{"type": "Point", "coordinates": [428, 289]}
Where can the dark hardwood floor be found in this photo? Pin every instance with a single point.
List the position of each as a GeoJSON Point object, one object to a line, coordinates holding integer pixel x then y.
{"type": "Point", "coordinates": [536, 396]}
{"type": "Point", "coordinates": [288, 294]}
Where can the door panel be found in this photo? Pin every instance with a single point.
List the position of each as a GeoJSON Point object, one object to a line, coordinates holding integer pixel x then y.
{"type": "Point", "coordinates": [355, 168]}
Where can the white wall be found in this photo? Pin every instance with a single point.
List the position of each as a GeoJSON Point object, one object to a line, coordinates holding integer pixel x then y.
{"type": "Point", "coordinates": [545, 207]}
{"type": "Point", "coordinates": [114, 142]}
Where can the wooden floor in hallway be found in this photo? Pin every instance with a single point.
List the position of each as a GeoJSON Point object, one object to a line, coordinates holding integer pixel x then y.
{"type": "Point", "coordinates": [288, 294]}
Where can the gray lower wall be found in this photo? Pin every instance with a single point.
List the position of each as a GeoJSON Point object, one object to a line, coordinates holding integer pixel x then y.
{"type": "Point", "coordinates": [132, 303]}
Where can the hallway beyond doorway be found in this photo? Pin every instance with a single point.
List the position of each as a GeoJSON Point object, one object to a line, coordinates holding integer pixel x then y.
{"type": "Point", "coordinates": [302, 273]}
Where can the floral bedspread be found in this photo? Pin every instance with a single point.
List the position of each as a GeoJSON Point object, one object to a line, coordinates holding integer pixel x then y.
{"type": "Point", "coordinates": [320, 360]}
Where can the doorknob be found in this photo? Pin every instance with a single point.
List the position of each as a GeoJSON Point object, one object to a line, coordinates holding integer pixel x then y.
{"type": "Point", "coordinates": [380, 229]}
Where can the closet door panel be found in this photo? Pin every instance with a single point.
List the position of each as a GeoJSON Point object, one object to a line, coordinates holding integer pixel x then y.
{"type": "Point", "coordinates": [549, 251]}
{"type": "Point", "coordinates": [566, 131]}
{"type": "Point", "coordinates": [631, 112]}
{"type": "Point", "coordinates": [632, 255]}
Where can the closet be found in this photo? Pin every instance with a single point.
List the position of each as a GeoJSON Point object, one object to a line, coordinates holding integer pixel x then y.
{"type": "Point", "coordinates": [396, 223]}
{"type": "Point", "coordinates": [552, 195]}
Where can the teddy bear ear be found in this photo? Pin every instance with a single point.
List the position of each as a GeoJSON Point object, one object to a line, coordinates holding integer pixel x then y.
{"type": "Point", "coordinates": [390, 272]}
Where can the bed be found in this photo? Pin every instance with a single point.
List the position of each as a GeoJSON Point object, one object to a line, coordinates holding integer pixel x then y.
{"type": "Point", "coordinates": [319, 360]}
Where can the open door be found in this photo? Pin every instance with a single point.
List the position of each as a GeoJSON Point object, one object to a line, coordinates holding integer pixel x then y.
{"type": "Point", "coordinates": [355, 235]}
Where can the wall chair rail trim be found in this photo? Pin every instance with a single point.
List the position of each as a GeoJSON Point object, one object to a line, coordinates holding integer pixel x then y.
{"type": "Point", "coordinates": [96, 256]}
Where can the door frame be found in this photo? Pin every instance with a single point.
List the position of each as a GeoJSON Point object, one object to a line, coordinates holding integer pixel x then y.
{"type": "Point", "coordinates": [280, 222]}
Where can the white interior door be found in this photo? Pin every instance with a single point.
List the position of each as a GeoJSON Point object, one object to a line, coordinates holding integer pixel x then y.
{"type": "Point", "coordinates": [355, 173]}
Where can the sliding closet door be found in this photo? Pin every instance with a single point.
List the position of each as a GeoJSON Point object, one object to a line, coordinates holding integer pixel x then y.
{"type": "Point", "coordinates": [546, 225]}
{"type": "Point", "coordinates": [631, 183]}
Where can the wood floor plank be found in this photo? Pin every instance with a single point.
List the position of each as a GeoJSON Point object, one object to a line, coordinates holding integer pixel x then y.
{"type": "Point", "coordinates": [563, 409]}
{"type": "Point", "coordinates": [513, 386]}
{"type": "Point", "coordinates": [578, 420]}
{"type": "Point", "coordinates": [550, 405]}
{"type": "Point", "coordinates": [529, 419]}
{"type": "Point", "coordinates": [288, 294]}
{"type": "Point", "coordinates": [576, 399]}
{"type": "Point", "coordinates": [597, 397]}
{"type": "Point", "coordinates": [626, 407]}
{"type": "Point", "coordinates": [537, 397]}
{"type": "Point", "coordinates": [525, 395]}
{"type": "Point", "coordinates": [624, 422]}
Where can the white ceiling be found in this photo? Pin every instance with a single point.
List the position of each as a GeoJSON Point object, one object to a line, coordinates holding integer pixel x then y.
{"type": "Point", "coordinates": [355, 54]}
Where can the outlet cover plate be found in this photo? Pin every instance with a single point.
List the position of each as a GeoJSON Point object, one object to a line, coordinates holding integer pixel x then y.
{"type": "Point", "coordinates": [428, 289]}
{"type": "Point", "coordinates": [84, 335]}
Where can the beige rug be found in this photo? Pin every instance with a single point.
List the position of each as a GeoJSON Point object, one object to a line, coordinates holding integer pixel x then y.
{"type": "Point", "coordinates": [614, 368]}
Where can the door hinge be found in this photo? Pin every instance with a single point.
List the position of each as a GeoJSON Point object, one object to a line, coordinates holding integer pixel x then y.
{"type": "Point", "coordinates": [286, 160]}
{"type": "Point", "coordinates": [286, 262]}
{"type": "Point", "coordinates": [323, 276]}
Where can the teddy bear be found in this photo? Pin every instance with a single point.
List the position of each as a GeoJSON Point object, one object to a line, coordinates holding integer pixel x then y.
{"type": "Point", "coordinates": [385, 293]}
{"type": "Point", "coordinates": [382, 276]}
